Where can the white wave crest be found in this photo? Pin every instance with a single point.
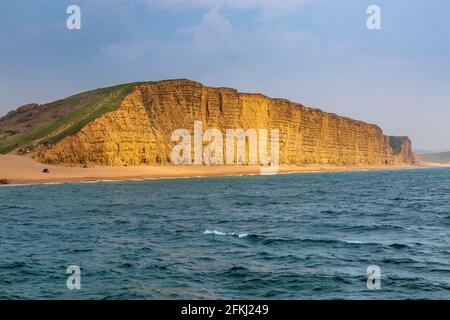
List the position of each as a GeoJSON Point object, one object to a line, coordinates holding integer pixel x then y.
{"type": "Point", "coordinates": [220, 233]}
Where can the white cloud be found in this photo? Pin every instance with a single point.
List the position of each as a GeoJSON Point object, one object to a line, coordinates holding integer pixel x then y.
{"type": "Point", "coordinates": [213, 32]}
{"type": "Point", "coordinates": [215, 36]}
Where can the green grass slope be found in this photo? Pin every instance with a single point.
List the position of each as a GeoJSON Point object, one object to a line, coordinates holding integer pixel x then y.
{"type": "Point", "coordinates": [32, 124]}
{"type": "Point", "coordinates": [437, 157]}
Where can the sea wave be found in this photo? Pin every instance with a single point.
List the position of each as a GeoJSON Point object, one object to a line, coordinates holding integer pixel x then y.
{"type": "Point", "coordinates": [267, 240]}
{"type": "Point", "coordinates": [220, 233]}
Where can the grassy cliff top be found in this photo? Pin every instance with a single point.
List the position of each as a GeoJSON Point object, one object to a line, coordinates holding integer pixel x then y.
{"type": "Point", "coordinates": [437, 157]}
{"type": "Point", "coordinates": [31, 124]}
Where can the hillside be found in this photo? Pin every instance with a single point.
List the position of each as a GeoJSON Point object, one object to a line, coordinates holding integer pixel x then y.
{"type": "Point", "coordinates": [440, 157]}
{"type": "Point", "coordinates": [31, 124]}
{"type": "Point", "coordinates": [131, 124]}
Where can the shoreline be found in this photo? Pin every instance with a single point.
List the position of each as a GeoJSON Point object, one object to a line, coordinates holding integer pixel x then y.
{"type": "Point", "coordinates": [17, 170]}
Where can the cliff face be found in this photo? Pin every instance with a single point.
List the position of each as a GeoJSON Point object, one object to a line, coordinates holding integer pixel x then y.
{"type": "Point", "coordinates": [139, 132]}
{"type": "Point", "coordinates": [402, 148]}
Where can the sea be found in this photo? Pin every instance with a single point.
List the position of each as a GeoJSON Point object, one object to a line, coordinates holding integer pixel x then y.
{"type": "Point", "coordinates": [346, 235]}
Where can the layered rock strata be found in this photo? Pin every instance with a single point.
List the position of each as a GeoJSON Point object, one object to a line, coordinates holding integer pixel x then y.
{"type": "Point", "coordinates": [139, 131]}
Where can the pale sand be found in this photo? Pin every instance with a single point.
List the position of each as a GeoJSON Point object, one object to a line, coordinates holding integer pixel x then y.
{"type": "Point", "coordinates": [15, 169]}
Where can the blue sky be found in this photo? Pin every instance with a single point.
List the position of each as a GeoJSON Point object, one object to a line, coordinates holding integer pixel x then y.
{"type": "Point", "coordinates": [317, 52]}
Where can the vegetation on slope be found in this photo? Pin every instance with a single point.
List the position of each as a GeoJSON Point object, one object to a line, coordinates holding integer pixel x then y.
{"type": "Point", "coordinates": [437, 157]}
{"type": "Point", "coordinates": [32, 124]}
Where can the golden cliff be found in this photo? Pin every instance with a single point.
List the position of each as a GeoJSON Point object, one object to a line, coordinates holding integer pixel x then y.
{"type": "Point", "coordinates": [139, 131]}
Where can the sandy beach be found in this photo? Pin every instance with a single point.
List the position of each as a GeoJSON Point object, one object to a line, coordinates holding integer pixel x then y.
{"type": "Point", "coordinates": [15, 169]}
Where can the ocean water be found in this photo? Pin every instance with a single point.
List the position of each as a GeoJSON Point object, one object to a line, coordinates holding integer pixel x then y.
{"type": "Point", "coordinates": [296, 236]}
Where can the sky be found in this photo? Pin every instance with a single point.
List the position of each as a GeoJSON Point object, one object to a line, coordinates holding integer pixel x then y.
{"type": "Point", "coordinates": [316, 52]}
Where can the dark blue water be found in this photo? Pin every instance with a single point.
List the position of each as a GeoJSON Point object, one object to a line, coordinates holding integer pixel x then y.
{"type": "Point", "coordinates": [302, 236]}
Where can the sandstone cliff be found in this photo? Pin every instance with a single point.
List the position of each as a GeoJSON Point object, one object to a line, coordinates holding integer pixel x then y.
{"type": "Point", "coordinates": [139, 131]}
{"type": "Point", "coordinates": [402, 148]}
